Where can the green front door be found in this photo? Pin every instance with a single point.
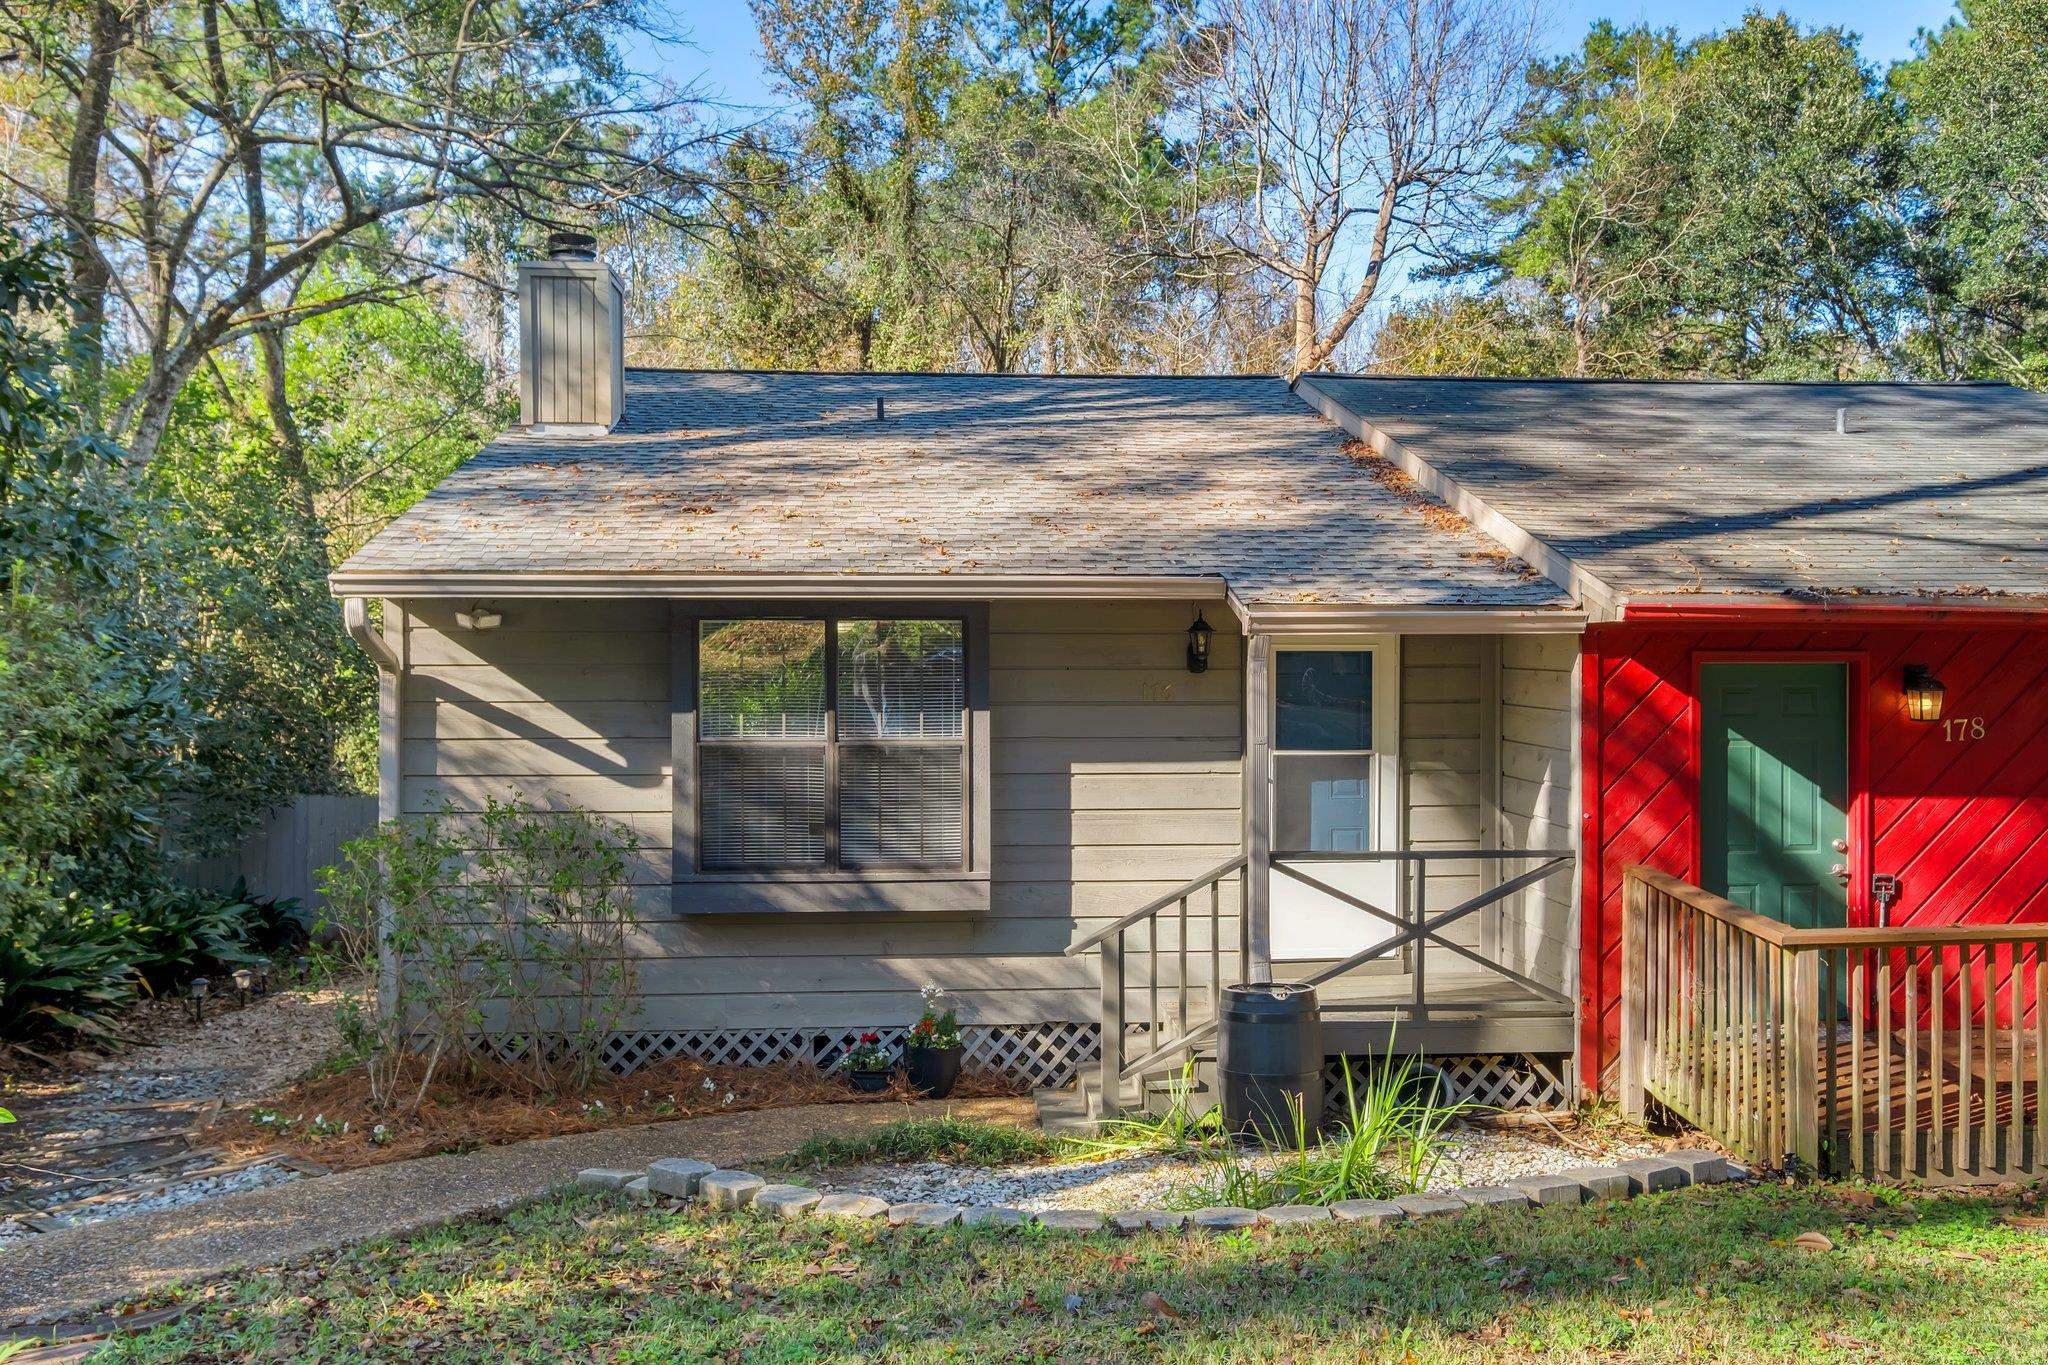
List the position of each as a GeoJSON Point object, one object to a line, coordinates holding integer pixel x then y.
{"type": "Point", "coordinates": [1774, 784]}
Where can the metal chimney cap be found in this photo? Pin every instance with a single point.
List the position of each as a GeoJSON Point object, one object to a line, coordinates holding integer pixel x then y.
{"type": "Point", "coordinates": [572, 246]}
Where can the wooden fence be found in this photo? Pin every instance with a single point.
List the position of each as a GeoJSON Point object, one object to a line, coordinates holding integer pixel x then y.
{"type": "Point", "coordinates": [283, 856]}
{"type": "Point", "coordinates": [1909, 1052]}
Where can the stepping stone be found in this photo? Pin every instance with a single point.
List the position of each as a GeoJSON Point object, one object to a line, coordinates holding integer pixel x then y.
{"type": "Point", "coordinates": [982, 1216]}
{"type": "Point", "coordinates": [1600, 1182]}
{"type": "Point", "coordinates": [605, 1178]}
{"type": "Point", "coordinates": [1494, 1196]}
{"type": "Point", "coordinates": [1296, 1213]}
{"type": "Point", "coordinates": [1701, 1167]}
{"type": "Point", "coordinates": [636, 1190]}
{"type": "Point", "coordinates": [1369, 1211]}
{"type": "Point", "coordinates": [1071, 1220]}
{"type": "Point", "coordinates": [1430, 1205]}
{"type": "Point", "coordinates": [937, 1216]}
{"type": "Point", "coordinates": [1550, 1189]}
{"type": "Point", "coordinates": [857, 1206]}
{"type": "Point", "coordinates": [730, 1189]}
{"type": "Point", "coordinates": [1222, 1218]}
{"type": "Point", "coordinates": [899, 1214]}
{"type": "Point", "coordinates": [785, 1201]}
{"type": "Point", "coordinates": [1651, 1174]}
{"type": "Point", "coordinates": [1149, 1220]}
{"type": "Point", "coordinates": [677, 1176]}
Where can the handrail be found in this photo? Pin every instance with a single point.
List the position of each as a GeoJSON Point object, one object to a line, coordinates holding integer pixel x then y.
{"type": "Point", "coordinates": [1415, 855]}
{"type": "Point", "coordinates": [1782, 935]}
{"type": "Point", "coordinates": [1888, 1053]}
{"type": "Point", "coordinates": [1116, 1068]}
{"type": "Point", "coordinates": [1188, 888]}
{"type": "Point", "coordinates": [1428, 929]}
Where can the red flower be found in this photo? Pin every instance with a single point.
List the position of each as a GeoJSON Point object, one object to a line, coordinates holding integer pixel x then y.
{"type": "Point", "coordinates": [871, 1037]}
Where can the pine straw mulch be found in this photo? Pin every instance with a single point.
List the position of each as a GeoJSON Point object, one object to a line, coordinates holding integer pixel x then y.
{"type": "Point", "coordinates": [494, 1104]}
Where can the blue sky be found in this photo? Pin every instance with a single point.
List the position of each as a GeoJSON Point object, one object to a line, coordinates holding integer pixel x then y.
{"type": "Point", "coordinates": [723, 56]}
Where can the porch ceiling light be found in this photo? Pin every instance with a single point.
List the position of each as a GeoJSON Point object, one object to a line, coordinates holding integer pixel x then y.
{"type": "Point", "coordinates": [1924, 693]}
{"type": "Point", "coordinates": [1199, 635]}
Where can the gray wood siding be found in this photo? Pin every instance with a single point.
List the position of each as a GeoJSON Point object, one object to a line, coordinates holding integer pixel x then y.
{"type": "Point", "coordinates": [1536, 795]}
{"type": "Point", "coordinates": [1444, 768]}
{"type": "Point", "coordinates": [1114, 776]}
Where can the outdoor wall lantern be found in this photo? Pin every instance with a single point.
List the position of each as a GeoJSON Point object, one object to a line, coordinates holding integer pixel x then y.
{"type": "Point", "coordinates": [478, 617]}
{"type": "Point", "coordinates": [1924, 693]}
{"type": "Point", "coordinates": [1199, 635]}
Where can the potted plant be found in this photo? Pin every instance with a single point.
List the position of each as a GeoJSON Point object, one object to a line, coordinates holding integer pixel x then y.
{"type": "Point", "coordinates": [867, 1064]}
{"type": "Point", "coordinates": [933, 1055]}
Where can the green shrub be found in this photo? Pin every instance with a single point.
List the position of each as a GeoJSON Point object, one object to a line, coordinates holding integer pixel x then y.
{"type": "Point", "coordinates": [516, 916]}
{"type": "Point", "coordinates": [62, 967]}
{"type": "Point", "coordinates": [175, 933]}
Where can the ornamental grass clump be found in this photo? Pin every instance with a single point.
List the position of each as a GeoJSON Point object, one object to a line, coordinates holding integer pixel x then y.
{"type": "Point", "coordinates": [1178, 1129]}
{"type": "Point", "coordinates": [1388, 1142]}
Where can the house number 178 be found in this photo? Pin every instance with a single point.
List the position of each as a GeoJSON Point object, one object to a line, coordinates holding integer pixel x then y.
{"type": "Point", "coordinates": [1961, 729]}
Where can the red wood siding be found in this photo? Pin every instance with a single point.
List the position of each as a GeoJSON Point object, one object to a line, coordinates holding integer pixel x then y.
{"type": "Point", "coordinates": [1963, 825]}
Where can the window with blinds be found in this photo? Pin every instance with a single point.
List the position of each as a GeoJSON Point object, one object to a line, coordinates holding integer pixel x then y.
{"type": "Point", "coordinates": [832, 743]}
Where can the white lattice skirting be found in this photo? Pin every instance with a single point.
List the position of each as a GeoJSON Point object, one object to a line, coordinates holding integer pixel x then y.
{"type": "Point", "coordinates": [1502, 1080]}
{"type": "Point", "coordinates": [1031, 1054]}
{"type": "Point", "coordinates": [1040, 1055]}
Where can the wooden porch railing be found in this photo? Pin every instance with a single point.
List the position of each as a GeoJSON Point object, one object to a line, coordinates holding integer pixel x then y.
{"type": "Point", "coordinates": [1177, 1033]}
{"type": "Point", "coordinates": [1888, 1053]}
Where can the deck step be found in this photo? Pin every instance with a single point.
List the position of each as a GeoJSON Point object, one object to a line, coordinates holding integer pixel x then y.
{"type": "Point", "coordinates": [1064, 1113]}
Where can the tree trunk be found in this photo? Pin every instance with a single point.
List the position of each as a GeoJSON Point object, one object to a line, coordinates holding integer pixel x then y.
{"type": "Point", "coordinates": [1305, 357]}
{"type": "Point", "coordinates": [291, 443]}
{"type": "Point", "coordinates": [89, 275]}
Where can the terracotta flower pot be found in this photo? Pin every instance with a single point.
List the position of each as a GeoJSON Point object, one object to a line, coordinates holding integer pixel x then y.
{"type": "Point", "coordinates": [933, 1070]}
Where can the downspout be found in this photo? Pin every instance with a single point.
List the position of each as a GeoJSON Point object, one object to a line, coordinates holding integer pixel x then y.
{"type": "Point", "coordinates": [355, 617]}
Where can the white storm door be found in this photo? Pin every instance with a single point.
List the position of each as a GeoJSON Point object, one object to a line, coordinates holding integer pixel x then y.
{"type": "Point", "coordinates": [1336, 714]}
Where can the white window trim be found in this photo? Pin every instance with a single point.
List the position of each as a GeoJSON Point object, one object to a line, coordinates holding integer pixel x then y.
{"type": "Point", "coordinates": [1388, 807]}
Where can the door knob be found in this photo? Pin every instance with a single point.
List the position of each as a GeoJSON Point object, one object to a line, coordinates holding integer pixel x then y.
{"type": "Point", "coordinates": [1841, 845]}
{"type": "Point", "coordinates": [1841, 871]}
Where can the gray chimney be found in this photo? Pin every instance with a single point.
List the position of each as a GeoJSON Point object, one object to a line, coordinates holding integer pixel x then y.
{"type": "Point", "coordinates": [572, 338]}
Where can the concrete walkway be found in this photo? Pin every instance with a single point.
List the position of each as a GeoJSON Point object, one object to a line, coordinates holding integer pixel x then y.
{"type": "Point", "coordinates": [63, 1276]}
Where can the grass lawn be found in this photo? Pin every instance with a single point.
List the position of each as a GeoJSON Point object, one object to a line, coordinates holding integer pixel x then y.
{"type": "Point", "coordinates": [1702, 1274]}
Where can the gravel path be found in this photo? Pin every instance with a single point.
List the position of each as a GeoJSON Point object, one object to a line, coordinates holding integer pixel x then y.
{"type": "Point", "coordinates": [61, 1276]}
{"type": "Point", "coordinates": [1472, 1156]}
{"type": "Point", "coordinates": [90, 1129]}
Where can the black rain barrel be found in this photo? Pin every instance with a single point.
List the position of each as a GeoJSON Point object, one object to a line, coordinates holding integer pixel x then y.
{"type": "Point", "coordinates": [1269, 1058]}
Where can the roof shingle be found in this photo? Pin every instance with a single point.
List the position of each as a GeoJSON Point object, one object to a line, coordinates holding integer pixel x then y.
{"type": "Point", "coordinates": [1744, 488]}
{"type": "Point", "coordinates": [775, 473]}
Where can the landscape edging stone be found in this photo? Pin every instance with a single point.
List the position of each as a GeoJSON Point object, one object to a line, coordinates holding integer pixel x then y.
{"type": "Point", "coordinates": [735, 1190]}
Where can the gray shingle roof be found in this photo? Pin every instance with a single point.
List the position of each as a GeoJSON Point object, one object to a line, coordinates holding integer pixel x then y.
{"type": "Point", "coordinates": [751, 473]}
{"type": "Point", "coordinates": [1745, 488]}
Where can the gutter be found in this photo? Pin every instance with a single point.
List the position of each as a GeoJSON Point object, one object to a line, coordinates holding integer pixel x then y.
{"type": "Point", "coordinates": [355, 616]}
{"type": "Point", "coordinates": [1932, 610]}
{"type": "Point", "coordinates": [1336, 618]}
{"type": "Point", "coordinates": [355, 584]}
{"type": "Point", "coordinates": [1601, 601]}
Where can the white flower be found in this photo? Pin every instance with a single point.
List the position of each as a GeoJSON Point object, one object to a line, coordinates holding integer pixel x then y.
{"type": "Point", "coordinates": [709, 1084]}
{"type": "Point", "coordinates": [727, 1099]}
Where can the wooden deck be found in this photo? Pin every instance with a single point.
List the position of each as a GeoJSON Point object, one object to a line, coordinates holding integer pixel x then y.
{"type": "Point", "coordinates": [1464, 1013]}
{"type": "Point", "coordinates": [1907, 1052]}
{"type": "Point", "coordinates": [1896, 1109]}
